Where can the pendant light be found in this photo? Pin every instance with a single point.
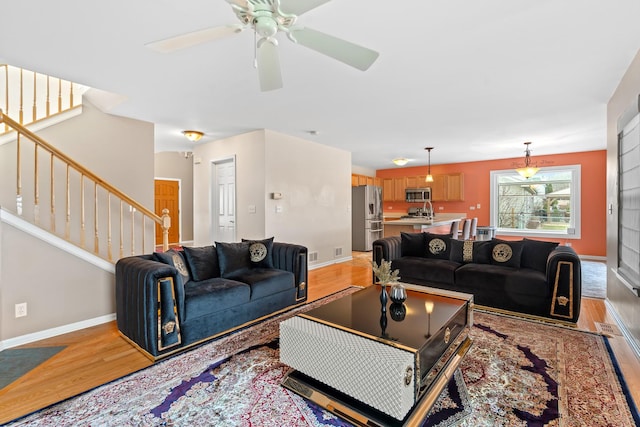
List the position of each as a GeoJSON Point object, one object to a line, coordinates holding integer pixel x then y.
{"type": "Point", "coordinates": [429, 177]}
{"type": "Point", "coordinates": [527, 171]}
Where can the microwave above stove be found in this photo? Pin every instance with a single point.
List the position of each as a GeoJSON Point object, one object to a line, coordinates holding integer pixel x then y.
{"type": "Point", "coordinates": [417, 195]}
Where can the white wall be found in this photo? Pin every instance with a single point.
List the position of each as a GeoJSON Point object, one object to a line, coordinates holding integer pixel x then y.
{"type": "Point", "coordinates": [248, 150]}
{"type": "Point", "coordinates": [315, 181]}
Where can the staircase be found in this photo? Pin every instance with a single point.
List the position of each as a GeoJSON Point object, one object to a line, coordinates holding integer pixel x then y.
{"type": "Point", "coordinates": [62, 226]}
{"type": "Point", "coordinates": [56, 193]}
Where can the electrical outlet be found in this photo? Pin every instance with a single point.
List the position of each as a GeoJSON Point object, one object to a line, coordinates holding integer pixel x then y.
{"type": "Point", "coordinates": [21, 309]}
{"type": "Point", "coordinates": [478, 206]}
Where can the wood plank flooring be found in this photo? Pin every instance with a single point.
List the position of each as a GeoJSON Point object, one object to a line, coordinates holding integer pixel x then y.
{"type": "Point", "coordinates": [97, 355]}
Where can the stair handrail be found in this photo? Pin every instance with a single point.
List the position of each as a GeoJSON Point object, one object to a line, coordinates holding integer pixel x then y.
{"type": "Point", "coordinates": [164, 220]}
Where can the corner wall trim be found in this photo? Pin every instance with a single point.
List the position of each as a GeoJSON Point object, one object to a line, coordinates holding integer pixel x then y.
{"type": "Point", "coordinates": [48, 333]}
{"type": "Point", "coordinates": [37, 232]}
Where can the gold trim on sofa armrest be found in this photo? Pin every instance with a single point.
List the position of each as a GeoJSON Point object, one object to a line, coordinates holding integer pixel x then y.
{"type": "Point", "coordinates": [562, 300]}
{"type": "Point", "coordinates": [170, 326]}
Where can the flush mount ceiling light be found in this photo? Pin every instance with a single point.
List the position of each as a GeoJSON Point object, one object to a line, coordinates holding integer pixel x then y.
{"type": "Point", "coordinates": [401, 161]}
{"type": "Point", "coordinates": [429, 177]}
{"type": "Point", "coordinates": [193, 135]}
{"type": "Point", "coordinates": [527, 171]}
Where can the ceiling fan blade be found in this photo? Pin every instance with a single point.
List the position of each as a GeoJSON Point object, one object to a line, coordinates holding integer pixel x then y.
{"type": "Point", "coordinates": [184, 41]}
{"type": "Point", "coordinates": [269, 67]}
{"type": "Point", "coordinates": [298, 7]}
{"type": "Point", "coordinates": [351, 54]}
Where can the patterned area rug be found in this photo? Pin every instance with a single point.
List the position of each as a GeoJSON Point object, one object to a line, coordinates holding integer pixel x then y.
{"type": "Point", "coordinates": [517, 373]}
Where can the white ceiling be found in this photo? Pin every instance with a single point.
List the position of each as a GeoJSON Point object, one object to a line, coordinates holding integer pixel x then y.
{"type": "Point", "coordinates": [474, 79]}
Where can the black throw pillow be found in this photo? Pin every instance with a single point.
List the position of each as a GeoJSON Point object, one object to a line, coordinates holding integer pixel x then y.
{"type": "Point", "coordinates": [202, 262]}
{"type": "Point", "coordinates": [232, 257]}
{"type": "Point", "coordinates": [506, 253]}
{"type": "Point", "coordinates": [535, 254]}
{"type": "Point", "coordinates": [438, 245]}
{"type": "Point", "coordinates": [261, 252]}
{"type": "Point", "coordinates": [412, 244]}
{"type": "Point", "coordinates": [466, 251]}
{"type": "Point", "coordinates": [175, 259]}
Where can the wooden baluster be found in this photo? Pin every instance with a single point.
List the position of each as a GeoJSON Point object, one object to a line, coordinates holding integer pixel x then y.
{"type": "Point", "coordinates": [121, 229]}
{"type": "Point", "coordinates": [36, 193]}
{"type": "Point", "coordinates": [70, 95]}
{"type": "Point", "coordinates": [133, 224]}
{"type": "Point", "coordinates": [19, 175]}
{"type": "Point", "coordinates": [34, 114]}
{"type": "Point", "coordinates": [20, 114]}
{"type": "Point", "coordinates": [166, 225]}
{"type": "Point", "coordinates": [48, 102]}
{"type": "Point", "coordinates": [6, 94]}
{"type": "Point", "coordinates": [59, 95]}
{"type": "Point", "coordinates": [67, 231]}
{"type": "Point", "coordinates": [109, 252]}
{"type": "Point", "coordinates": [144, 231]}
{"type": "Point", "coordinates": [82, 224]}
{"type": "Point", "coordinates": [53, 195]}
{"type": "Point", "coordinates": [96, 241]}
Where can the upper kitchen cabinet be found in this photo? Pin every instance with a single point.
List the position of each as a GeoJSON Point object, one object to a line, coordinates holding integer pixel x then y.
{"type": "Point", "coordinates": [357, 179]}
{"type": "Point", "coordinates": [393, 189]}
{"type": "Point", "coordinates": [417, 181]}
{"type": "Point", "coordinates": [447, 188]}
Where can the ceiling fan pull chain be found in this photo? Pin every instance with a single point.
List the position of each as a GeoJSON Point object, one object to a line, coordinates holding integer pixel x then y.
{"type": "Point", "coordinates": [255, 49]}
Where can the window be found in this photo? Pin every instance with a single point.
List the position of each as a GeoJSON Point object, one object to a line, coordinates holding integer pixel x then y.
{"type": "Point", "coordinates": [545, 205]}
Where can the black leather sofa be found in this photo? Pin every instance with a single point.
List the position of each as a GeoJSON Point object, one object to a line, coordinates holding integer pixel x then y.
{"type": "Point", "coordinates": [533, 277]}
{"type": "Point", "coordinates": [166, 302]}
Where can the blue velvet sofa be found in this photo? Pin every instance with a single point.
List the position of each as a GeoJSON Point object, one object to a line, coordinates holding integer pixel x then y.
{"type": "Point", "coordinates": [166, 302]}
{"type": "Point", "coordinates": [532, 277]}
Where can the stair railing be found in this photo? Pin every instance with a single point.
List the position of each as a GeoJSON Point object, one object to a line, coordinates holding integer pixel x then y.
{"type": "Point", "coordinates": [29, 97]}
{"type": "Point", "coordinates": [107, 210]}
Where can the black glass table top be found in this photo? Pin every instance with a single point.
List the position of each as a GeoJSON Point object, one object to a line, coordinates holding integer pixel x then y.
{"type": "Point", "coordinates": [410, 324]}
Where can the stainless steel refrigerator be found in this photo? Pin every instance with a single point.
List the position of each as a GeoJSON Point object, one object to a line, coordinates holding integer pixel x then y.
{"type": "Point", "coordinates": [366, 219]}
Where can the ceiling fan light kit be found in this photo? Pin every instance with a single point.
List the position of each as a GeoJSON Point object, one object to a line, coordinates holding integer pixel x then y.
{"type": "Point", "coordinates": [267, 18]}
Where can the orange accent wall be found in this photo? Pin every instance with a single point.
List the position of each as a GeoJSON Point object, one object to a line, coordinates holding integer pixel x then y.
{"type": "Point", "coordinates": [477, 190]}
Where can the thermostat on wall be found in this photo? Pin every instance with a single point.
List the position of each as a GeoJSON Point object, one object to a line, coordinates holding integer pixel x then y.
{"type": "Point", "coordinates": [276, 196]}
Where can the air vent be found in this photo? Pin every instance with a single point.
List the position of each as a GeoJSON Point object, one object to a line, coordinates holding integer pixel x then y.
{"type": "Point", "coordinates": [338, 252]}
{"type": "Point", "coordinates": [313, 256]}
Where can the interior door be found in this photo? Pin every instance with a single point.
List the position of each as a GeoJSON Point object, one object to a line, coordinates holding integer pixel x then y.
{"type": "Point", "coordinates": [167, 195]}
{"type": "Point", "coordinates": [224, 201]}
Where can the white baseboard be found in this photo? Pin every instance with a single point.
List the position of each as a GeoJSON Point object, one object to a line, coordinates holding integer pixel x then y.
{"type": "Point", "coordinates": [625, 331]}
{"type": "Point", "coordinates": [334, 261]}
{"type": "Point", "coordinates": [53, 332]}
{"type": "Point", "coordinates": [593, 258]}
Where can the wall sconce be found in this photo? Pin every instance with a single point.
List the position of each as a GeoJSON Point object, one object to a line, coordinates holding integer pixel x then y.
{"type": "Point", "coordinates": [193, 135]}
{"type": "Point", "coordinates": [401, 161]}
{"type": "Point", "coordinates": [527, 171]}
{"type": "Point", "coordinates": [429, 177]}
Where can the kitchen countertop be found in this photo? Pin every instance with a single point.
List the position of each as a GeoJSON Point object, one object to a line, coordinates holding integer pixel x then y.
{"type": "Point", "coordinates": [439, 219]}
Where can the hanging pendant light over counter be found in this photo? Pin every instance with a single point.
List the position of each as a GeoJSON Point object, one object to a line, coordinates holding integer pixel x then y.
{"type": "Point", "coordinates": [429, 177]}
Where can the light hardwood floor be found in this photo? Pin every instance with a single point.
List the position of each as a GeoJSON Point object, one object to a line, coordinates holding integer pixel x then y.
{"type": "Point", "coordinates": [97, 355]}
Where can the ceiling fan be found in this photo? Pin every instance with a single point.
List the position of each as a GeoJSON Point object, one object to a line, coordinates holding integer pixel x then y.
{"type": "Point", "coordinates": [267, 18]}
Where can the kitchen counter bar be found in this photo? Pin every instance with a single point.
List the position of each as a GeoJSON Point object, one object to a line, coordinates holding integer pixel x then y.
{"type": "Point", "coordinates": [440, 224]}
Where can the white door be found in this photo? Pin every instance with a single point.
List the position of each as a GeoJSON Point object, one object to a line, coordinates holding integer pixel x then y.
{"type": "Point", "coordinates": [224, 201]}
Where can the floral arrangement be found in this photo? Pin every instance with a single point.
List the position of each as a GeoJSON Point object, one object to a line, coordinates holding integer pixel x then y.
{"type": "Point", "coordinates": [383, 272]}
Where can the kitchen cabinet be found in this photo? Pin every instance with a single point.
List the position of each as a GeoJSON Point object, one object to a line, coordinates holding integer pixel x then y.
{"type": "Point", "coordinates": [417, 181]}
{"type": "Point", "coordinates": [357, 179]}
{"type": "Point", "coordinates": [447, 188]}
{"type": "Point", "coordinates": [393, 189]}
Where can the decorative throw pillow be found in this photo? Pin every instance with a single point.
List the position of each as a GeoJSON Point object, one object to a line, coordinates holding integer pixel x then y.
{"type": "Point", "coordinates": [412, 244]}
{"type": "Point", "coordinates": [232, 257]}
{"type": "Point", "coordinates": [202, 262]}
{"type": "Point", "coordinates": [175, 259]}
{"type": "Point", "coordinates": [506, 253]}
{"type": "Point", "coordinates": [535, 254]}
{"type": "Point", "coordinates": [261, 252]}
{"type": "Point", "coordinates": [438, 245]}
{"type": "Point", "coordinates": [466, 251]}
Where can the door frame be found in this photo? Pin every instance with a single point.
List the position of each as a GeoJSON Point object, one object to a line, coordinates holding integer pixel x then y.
{"type": "Point", "coordinates": [213, 199]}
{"type": "Point", "coordinates": [179, 206]}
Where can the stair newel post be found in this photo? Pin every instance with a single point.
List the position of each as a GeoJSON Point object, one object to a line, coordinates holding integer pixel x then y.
{"type": "Point", "coordinates": [166, 224]}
